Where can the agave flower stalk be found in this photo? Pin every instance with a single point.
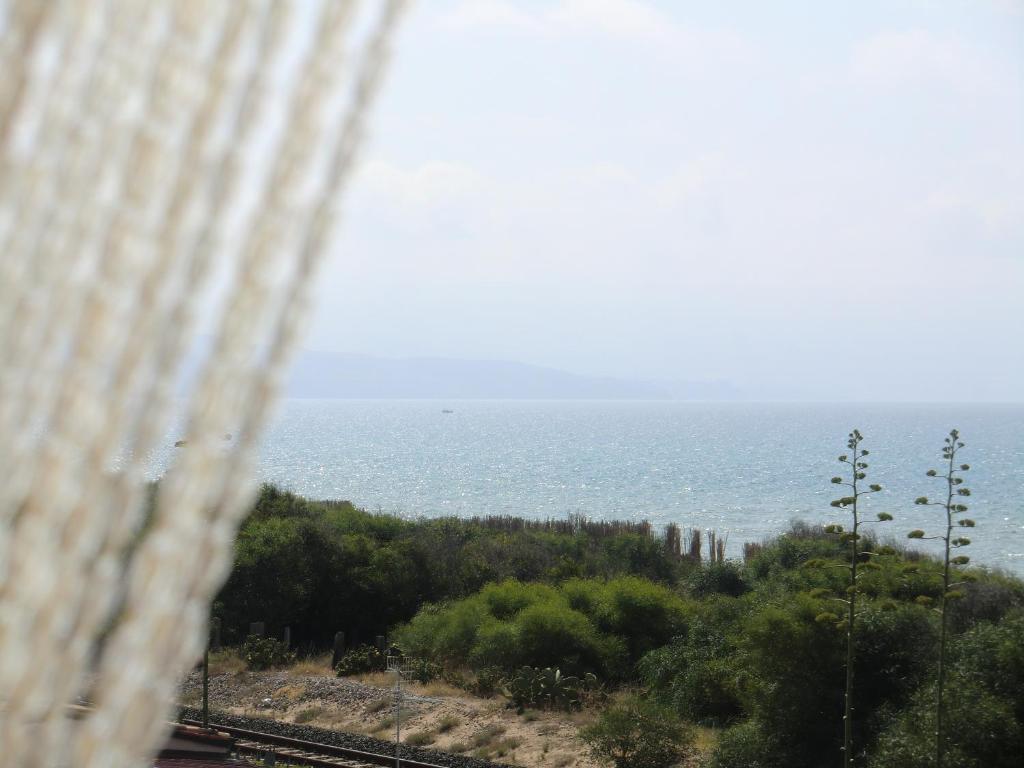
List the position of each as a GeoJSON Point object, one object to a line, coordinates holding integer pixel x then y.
{"type": "Point", "coordinates": [856, 460]}
{"type": "Point", "coordinates": [952, 506]}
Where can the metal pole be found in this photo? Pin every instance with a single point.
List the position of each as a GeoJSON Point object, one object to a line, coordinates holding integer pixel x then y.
{"type": "Point", "coordinates": [206, 687]}
{"type": "Point", "coordinates": [398, 715]}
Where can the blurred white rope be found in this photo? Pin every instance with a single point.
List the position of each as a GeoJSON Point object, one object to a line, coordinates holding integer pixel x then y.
{"type": "Point", "coordinates": [127, 135]}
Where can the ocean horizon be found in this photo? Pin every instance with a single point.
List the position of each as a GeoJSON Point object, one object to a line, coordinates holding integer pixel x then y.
{"type": "Point", "coordinates": [745, 470]}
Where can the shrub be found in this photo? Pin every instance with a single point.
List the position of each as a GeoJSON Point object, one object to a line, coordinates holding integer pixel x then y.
{"type": "Point", "coordinates": [637, 733]}
{"type": "Point", "coordinates": [421, 738]}
{"type": "Point", "coordinates": [422, 670]}
{"type": "Point", "coordinates": [555, 635]}
{"type": "Point", "coordinates": [644, 614]}
{"type": "Point", "coordinates": [700, 685]}
{"type": "Point", "coordinates": [745, 746]}
{"type": "Point", "coordinates": [699, 672]}
{"type": "Point", "coordinates": [359, 661]}
{"type": "Point", "coordinates": [550, 689]}
{"type": "Point", "coordinates": [985, 734]}
{"type": "Point", "coordinates": [794, 662]}
{"type": "Point", "coordinates": [538, 627]}
{"type": "Point", "coordinates": [725, 578]}
{"type": "Point", "coordinates": [487, 682]}
{"type": "Point", "coordinates": [310, 713]}
{"type": "Point", "coordinates": [447, 723]}
{"type": "Point", "coordinates": [498, 644]}
{"type": "Point", "coordinates": [444, 632]}
{"type": "Point", "coordinates": [505, 600]}
{"type": "Point", "coordinates": [993, 656]}
{"type": "Point", "coordinates": [265, 652]}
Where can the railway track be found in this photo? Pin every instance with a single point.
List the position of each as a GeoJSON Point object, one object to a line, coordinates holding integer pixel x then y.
{"type": "Point", "coordinates": [287, 750]}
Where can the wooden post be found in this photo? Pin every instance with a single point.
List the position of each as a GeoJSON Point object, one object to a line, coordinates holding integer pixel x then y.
{"type": "Point", "coordinates": [257, 628]}
{"type": "Point", "coordinates": [338, 650]}
{"type": "Point", "coordinates": [287, 637]}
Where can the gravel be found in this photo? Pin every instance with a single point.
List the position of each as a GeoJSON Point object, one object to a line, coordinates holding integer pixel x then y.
{"type": "Point", "coordinates": [339, 739]}
{"type": "Point", "coordinates": [264, 690]}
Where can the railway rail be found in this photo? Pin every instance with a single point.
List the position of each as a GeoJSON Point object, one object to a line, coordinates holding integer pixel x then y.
{"type": "Point", "coordinates": [287, 750]}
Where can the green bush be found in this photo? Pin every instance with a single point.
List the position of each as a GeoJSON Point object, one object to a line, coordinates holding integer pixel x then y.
{"type": "Point", "coordinates": [498, 644]}
{"type": "Point", "coordinates": [320, 567]}
{"type": "Point", "coordinates": [644, 614]}
{"type": "Point", "coordinates": [361, 660]}
{"type": "Point", "coordinates": [554, 635]}
{"type": "Point", "coordinates": [487, 682]}
{"type": "Point", "coordinates": [549, 689]}
{"type": "Point", "coordinates": [993, 656]}
{"type": "Point", "coordinates": [718, 579]}
{"type": "Point", "coordinates": [581, 626]}
{"type": "Point", "coordinates": [983, 731]}
{"type": "Point", "coordinates": [422, 670]}
{"type": "Point", "coordinates": [265, 652]}
{"type": "Point", "coordinates": [745, 745]}
{"type": "Point", "coordinates": [505, 600]}
{"type": "Point", "coordinates": [637, 733]}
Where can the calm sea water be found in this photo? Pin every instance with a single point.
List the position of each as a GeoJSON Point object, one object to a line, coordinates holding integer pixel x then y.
{"type": "Point", "coordinates": [745, 470]}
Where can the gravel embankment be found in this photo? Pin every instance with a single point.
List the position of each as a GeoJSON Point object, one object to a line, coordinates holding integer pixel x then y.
{"type": "Point", "coordinates": [337, 738]}
{"type": "Point", "coordinates": [277, 690]}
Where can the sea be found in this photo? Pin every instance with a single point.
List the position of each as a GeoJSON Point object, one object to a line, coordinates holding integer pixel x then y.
{"type": "Point", "coordinates": [744, 470]}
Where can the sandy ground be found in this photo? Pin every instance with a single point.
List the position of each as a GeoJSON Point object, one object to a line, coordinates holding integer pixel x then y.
{"type": "Point", "coordinates": [435, 715]}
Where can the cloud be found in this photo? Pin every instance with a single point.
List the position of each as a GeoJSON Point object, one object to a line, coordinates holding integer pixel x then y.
{"type": "Point", "coordinates": [918, 57]}
{"type": "Point", "coordinates": [492, 15]}
{"type": "Point", "coordinates": [427, 185]}
{"type": "Point", "coordinates": [611, 20]}
{"type": "Point", "coordinates": [617, 18]}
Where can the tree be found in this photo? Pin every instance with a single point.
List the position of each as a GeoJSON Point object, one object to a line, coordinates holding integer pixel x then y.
{"type": "Point", "coordinates": [858, 473]}
{"type": "Point", "coordinates": [951, 507]}
{"type": "Point", "coordinates": [638, 733]}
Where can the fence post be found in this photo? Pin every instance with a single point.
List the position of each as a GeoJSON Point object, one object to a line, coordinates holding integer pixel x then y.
{"type": "Point", "coordinates": [215, 634]}
{"type": "Point", "coordinates": [287, 637]}
{"type": "Point", "coordinates": [339, 649]}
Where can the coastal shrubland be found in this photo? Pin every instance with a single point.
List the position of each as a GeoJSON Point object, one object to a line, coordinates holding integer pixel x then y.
{"type": "Point", "coordinates": [320, 567]}
{"type": "Point", "coordinates": [753, 649]}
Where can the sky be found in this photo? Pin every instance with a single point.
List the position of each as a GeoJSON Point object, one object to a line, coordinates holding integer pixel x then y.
{"type": "Point", "coordinates": [819, 201]}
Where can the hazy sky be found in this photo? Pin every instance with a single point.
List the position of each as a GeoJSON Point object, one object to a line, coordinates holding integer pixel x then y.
{"type": "Point", "coordinates": [811, 200]}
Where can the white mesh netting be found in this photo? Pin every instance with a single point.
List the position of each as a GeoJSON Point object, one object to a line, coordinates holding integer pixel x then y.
{"type": "Point", "coordinates": [148, 150]}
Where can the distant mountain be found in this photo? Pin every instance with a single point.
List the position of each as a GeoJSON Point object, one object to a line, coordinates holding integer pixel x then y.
{"type": "Point", "coordinates": [327, 375]}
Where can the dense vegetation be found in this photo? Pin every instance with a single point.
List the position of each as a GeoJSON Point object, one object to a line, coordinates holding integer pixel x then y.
{"type": "Point", "coordinates": [755, 649]}
{"type": "Point", "coordinates": [323, 567]}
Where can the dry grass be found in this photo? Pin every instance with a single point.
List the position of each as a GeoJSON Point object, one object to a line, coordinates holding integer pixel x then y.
{"type": "Point", "coordinates": [387, 723]}
{"type": "Point", "coordinates": [226, 662]}
{"type": "Point", "coordinates": [461, 723]}
{"type": "Point", "coordinates": [378, 706]}
{"type": "Point", "coordinates": [376, 679]}
{"type": "Point", "coordinates": [448, 723]}
{"type": "Point", "coordinates": [705, 739]}
{"type": "Point", "coordinates": [421, 738]}
{"type": "Point", "coordinates": [292, 691]}
{"type": "Point", "coordinates": [314, 666]}
{"type": "Point", "coordinates": [487, 735]}
{"type": "Point", "coordinates": [308, 714]}
{"type": "Point", "coordinates": [436, 688]}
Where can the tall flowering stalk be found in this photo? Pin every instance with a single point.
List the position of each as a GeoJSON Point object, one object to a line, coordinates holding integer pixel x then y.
{"type": "Point", "coordinates": [952, 506]}
{"type": "Point", "coordinates": [858, 466]}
